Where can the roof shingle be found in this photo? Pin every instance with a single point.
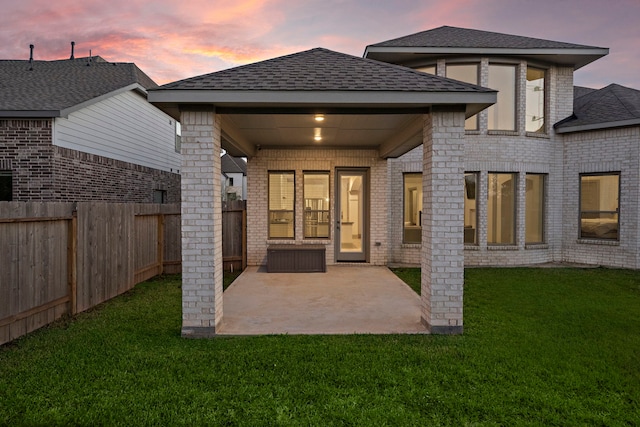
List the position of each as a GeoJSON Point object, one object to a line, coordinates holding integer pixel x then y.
{"type": "Point", "coordinates": [607, 107]}
{"type": "Point", "coordinates": [322, 70]}
{"type": "Point", "coordinates": [454, 37]}
{"type": "Point", "coordinates": [58, 85]}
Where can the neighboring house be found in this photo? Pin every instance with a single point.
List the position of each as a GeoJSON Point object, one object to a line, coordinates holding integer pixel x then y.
{"type": "Point", "coordinates": [234, 181]}
{"type": "Point", "coordinates": [407, 156]}
{"type": "Point", "coordinates": [82, 129]}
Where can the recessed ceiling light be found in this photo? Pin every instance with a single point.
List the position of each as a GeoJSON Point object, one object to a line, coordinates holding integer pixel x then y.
{"type": "Point", "coordinates": [319, 118]}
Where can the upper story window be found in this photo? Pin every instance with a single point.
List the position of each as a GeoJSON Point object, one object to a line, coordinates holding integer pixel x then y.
{"type": "Point", "coordinates": [535, 100]}
{"type": "Point", "coordinates": [467, 73]}
{"type": "Point", "coordinates": [281, 205]}
{"type": "Point", "coordinates": [599, 206]}
{"type": "Point", "coordinates": [412, 228]}
{"type": "Point", "coordinates": [316, 204]}
{"type": "Point", "coordinates": [430, 69]}
{"type": "Point", "coordinates": [502, 114]}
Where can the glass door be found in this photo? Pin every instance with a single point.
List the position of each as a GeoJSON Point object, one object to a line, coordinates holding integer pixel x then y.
{"type": "Point", "coordinates": [351, 223]}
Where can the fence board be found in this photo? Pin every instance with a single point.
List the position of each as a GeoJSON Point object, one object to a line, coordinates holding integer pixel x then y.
{"type": "Point", "coordinates": [53, 262]}
{"type": "Point", "coordinates": [234, 235]}
{"type": "Point", "coordinates": [33, 286]}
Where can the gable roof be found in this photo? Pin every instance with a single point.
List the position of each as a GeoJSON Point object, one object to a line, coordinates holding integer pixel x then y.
{"type": "Point", "coordinates": [316, 78]}
{"type": "Point", "coordinates": [446, 40]}
{"type": "Point", "coordinates": [230, 164]}
{"type": "Point", "coordinates": [321, 69]}
{"type": "Point", "coordinates": [55, 88]}
{"type": "Point", "coordinates": [612, 106]}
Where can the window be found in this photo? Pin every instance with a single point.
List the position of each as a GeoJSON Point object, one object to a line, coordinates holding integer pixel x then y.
{"type": "Point", "coordinates": [431, 69]}
{"type": "Point", "coordinates": [501, 208]}
{"type": "Point", "coordinates": [412, 229]}
{"type": "Point", "coordinates": [470, 210]}
{"type": "Point", "coordinates": [502, 114]}
{"type": "Point", "coordinates": [159, 196]}
{"type": "Point", "coordinates": [178, 143]}
{"type": "Point", "coordinates": [316, 204]}
{"type": "Point", "coordinates": [535, 100]}
{"type": "Point", "coordinates": [6, 186]}
{"type": "Point", "coordinates": [281, 205]}
{"type": "Point", "coordinates": [599, 206]}
{"type": "Point", "coordinates": [467, 73]}
{"type": "Point", "coordinates": [534, 209]}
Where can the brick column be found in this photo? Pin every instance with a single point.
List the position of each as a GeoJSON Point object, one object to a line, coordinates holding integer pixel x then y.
{"type": "Point", "coordinates": [442, 222]}
{"type": "Point", "coordinates": [201, 224]}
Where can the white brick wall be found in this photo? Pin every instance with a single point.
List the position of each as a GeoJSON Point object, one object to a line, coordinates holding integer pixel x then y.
{"type": "Point", "coordinates": [201, 224]}
{"type": "Point", "coordinates": [442, 218]}
{"type": "Point", "coordinates": [615, 150]}
{"type": "Point", "coordinates": [313, 160]}
{"type": "Point", "coordinates": [490, 151]}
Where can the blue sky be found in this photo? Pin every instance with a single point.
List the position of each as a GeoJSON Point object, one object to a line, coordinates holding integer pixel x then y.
{"type": "Point", "coordinates": [172, 40]}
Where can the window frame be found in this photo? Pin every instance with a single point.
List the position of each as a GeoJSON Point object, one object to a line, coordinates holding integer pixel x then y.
{"type": "Point", "coordinates": [478, 66]}
{"type": "Point", "coordinates": [404, 211]}
{"type": "Point", "coordinates": [515, 208]}
{"type": "Point", "coordinates": [491, 108]}
{"type": "Point", "coordinates": [581, 211]}
{"type": "Point", "coordinates": [318, 211]}
{"type": "Point", "coordinates": [476, 195]}
{"type": "Point", "coordinates": [543, 129]}
{"type": "Point", "coordinates": [282, 211]}
{"type": "Point", "coordinates": [543, 205]}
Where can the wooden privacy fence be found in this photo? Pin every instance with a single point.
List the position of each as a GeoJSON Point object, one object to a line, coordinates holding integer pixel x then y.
{"type": "Point", "coordinates": [59, 258]}
{"type": "Point", "coordinates": [234, 235]}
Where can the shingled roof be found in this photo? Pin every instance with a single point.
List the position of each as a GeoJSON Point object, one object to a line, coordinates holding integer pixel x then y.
{"type": "Point", "coordinates": [230, 164]}
{"type": "Point", "coordinates": [322, 70]}
{"type": "Point", "coordinates": [612, 106]}
{"type": "Point", "coordinates": [53, 88]}
{"type": "Point", "coordinates": [447, 40]}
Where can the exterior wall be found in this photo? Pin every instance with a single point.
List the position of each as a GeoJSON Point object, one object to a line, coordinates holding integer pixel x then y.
{"type": "Point", "coordinates": [42, 171]}
{"type": "Point", "coordinates": [442, 264]}
{"type": "Point", "coordinates": [123, 127]}
{"type": "Point", "coordinates": [615, 150]}
{"type": "Point", "coordinates": [313, 160]}
{"type": "Point", "coordinates": [499, 151]}
{"type": "Point", "coordinates": [201, 224]}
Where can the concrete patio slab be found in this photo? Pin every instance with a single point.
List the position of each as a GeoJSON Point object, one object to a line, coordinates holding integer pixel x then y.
{"type": "Point", "coordinates": [345, 300]}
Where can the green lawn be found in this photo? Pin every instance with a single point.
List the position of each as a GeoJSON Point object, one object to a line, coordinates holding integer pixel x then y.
{"type": "Point", "coordinates": [541, 347]}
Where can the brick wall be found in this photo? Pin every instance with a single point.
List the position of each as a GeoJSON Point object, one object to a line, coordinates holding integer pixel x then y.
{"type": "Point", "coordinates": [313, 160]}
{"type": "Point", "coordinates": [614, 150]}
{"type": "Point", "coordinates": [44, 172]}
{"type": "Point", "coordinates": [493, 151]}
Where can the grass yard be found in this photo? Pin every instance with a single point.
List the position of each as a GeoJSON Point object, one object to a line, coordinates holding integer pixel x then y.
{"type": "Point", "coordinates": [541, 347]}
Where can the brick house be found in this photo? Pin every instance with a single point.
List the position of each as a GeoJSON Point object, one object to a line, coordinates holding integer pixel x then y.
{"type": "Point", "coordinates": [82, 129]}
{"type": "Point", "coordinates": [406, 156]}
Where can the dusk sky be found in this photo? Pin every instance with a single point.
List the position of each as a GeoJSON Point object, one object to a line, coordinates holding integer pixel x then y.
{"type": "Point", "coordinates": [172, 40]}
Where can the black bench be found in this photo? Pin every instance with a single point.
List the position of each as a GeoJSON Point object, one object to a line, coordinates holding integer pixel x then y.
{"type": "Point", "coordinates": [296, 259]}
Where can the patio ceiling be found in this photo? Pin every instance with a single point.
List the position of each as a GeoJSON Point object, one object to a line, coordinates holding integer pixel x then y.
{"type": "Point", "coordinates": [390, 134]}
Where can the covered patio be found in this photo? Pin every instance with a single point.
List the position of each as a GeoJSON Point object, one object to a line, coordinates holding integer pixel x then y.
{"type": "Point", "coordinates": [371, 111]}
{"type": "Point", "coordinates": [347, 299]}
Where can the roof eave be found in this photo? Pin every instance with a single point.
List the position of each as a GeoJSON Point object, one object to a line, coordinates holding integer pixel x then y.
{"type": "Point", "coordinates": [169, 100]}
{"type": "Point", "coordinates": [598, 126]}
{"type": "Point", "coordinates": [576, 57]}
